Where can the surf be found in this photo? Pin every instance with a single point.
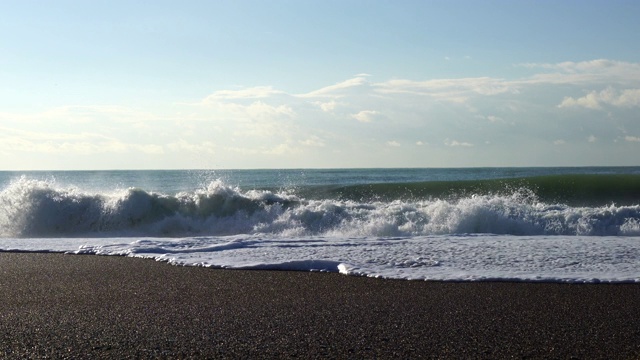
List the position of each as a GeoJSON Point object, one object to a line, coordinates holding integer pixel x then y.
{"type": "Point", "coordinates": [548, 205]}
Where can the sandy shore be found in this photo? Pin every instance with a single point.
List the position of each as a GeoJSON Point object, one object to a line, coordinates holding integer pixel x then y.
{"type": "Point", "coordinates": [65, 306]}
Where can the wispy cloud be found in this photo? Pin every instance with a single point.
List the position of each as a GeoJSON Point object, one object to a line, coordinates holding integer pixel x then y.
{"type": "Point", "coordinates": [600, 71]}
{"type": "Point", "coordinates": [597, 65]}
{"type": "Point", "coordinates": [256, 92]}
{"type": "Point", "coordinates": [455, 90]}
{"type": "Point", "coordinates": [338, 90]}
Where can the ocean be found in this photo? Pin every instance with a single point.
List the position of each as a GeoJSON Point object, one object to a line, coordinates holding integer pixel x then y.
{"type": "Point", "coordinates": [575, 224]}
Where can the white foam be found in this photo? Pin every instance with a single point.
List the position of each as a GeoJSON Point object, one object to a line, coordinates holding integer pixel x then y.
{"type": "Point", "coordinates": [464, 257]}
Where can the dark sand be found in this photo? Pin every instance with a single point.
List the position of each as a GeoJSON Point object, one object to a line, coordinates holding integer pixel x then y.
{"type": "Point", "coordinates": [66, 306]}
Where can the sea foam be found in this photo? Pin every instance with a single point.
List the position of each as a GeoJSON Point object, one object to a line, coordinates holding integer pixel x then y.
{"type": "Point", "coordinates": [573, 259]}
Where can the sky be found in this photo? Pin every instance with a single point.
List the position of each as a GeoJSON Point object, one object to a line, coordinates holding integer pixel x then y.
{"type": "Point", "coordinates": [318, 84]}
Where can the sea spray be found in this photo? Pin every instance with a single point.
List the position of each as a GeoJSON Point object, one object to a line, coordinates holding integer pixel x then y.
{"type": "Point", "coordinates": [35, 208]}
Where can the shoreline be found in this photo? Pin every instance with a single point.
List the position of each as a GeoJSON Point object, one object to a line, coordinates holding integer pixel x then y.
{"type": "Point", "coordinates": [90, 306]}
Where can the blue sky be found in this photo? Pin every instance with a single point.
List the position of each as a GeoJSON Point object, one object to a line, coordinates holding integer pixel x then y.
{"type": "Point", "coordinates": [303, 84]}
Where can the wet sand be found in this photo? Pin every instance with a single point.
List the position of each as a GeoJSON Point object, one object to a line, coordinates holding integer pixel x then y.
{"type": "Point", "coordinates": [66, 306]}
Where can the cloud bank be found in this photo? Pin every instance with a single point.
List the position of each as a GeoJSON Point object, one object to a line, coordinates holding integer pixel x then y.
{"type": "Point", "coordinates": [586, 107]}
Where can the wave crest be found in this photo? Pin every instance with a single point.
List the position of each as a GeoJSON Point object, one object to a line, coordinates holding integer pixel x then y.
{"type": "Point", "coordinates": [30, 208]}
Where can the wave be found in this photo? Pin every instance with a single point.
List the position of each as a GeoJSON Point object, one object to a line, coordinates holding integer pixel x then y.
{"type": "Point", "coordinates": [561, 205]}
{"type": "Point", "coordinates": [576, 189]}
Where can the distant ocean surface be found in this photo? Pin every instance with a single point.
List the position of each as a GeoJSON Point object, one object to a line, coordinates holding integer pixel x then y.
{"type": "Point", "coordinates": [575, 224]}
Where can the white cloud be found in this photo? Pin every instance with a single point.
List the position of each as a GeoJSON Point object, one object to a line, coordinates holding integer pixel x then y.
{"type": "Point", "coordinates": [609, 96]}
{"type": "Point", "coordinates": [559, 142]}
{"type": "Point", "coordinates": [632, 138]}
{"type": "Point", "coordinates": [259, 118]}
{"type": "Point", "coordinates": [326, 106]}
{"type": "Point", "coordinates": [455, 143]}
{"type": "Point", "coordinates": [628, 98]}
{"type": "Point", "coordinates": [251, 125]}
{"type": "Point", "coordinates": [313, 141]}
{"type": "Point", "coordinates": [590, 101]}
{"type": "Point", "coordinates": [365, 116]}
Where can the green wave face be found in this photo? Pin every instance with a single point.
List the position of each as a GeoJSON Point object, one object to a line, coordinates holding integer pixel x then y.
{"type": "Point", "coordinates": [574, 190]}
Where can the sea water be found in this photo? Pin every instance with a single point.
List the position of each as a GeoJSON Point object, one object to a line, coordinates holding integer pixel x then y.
{"type": "Point", "coordinates": [516, 224]}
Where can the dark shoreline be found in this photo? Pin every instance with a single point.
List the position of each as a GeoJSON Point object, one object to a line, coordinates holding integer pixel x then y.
{"type": "Point", "coordinates": [66, 306]}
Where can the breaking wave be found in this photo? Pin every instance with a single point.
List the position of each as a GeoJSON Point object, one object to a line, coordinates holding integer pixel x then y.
{"type": "Point", "coordinates": [33, 208]}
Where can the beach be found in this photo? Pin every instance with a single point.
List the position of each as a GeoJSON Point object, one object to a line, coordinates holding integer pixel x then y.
{"type": "Point", "coordinates": [86, 306]}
